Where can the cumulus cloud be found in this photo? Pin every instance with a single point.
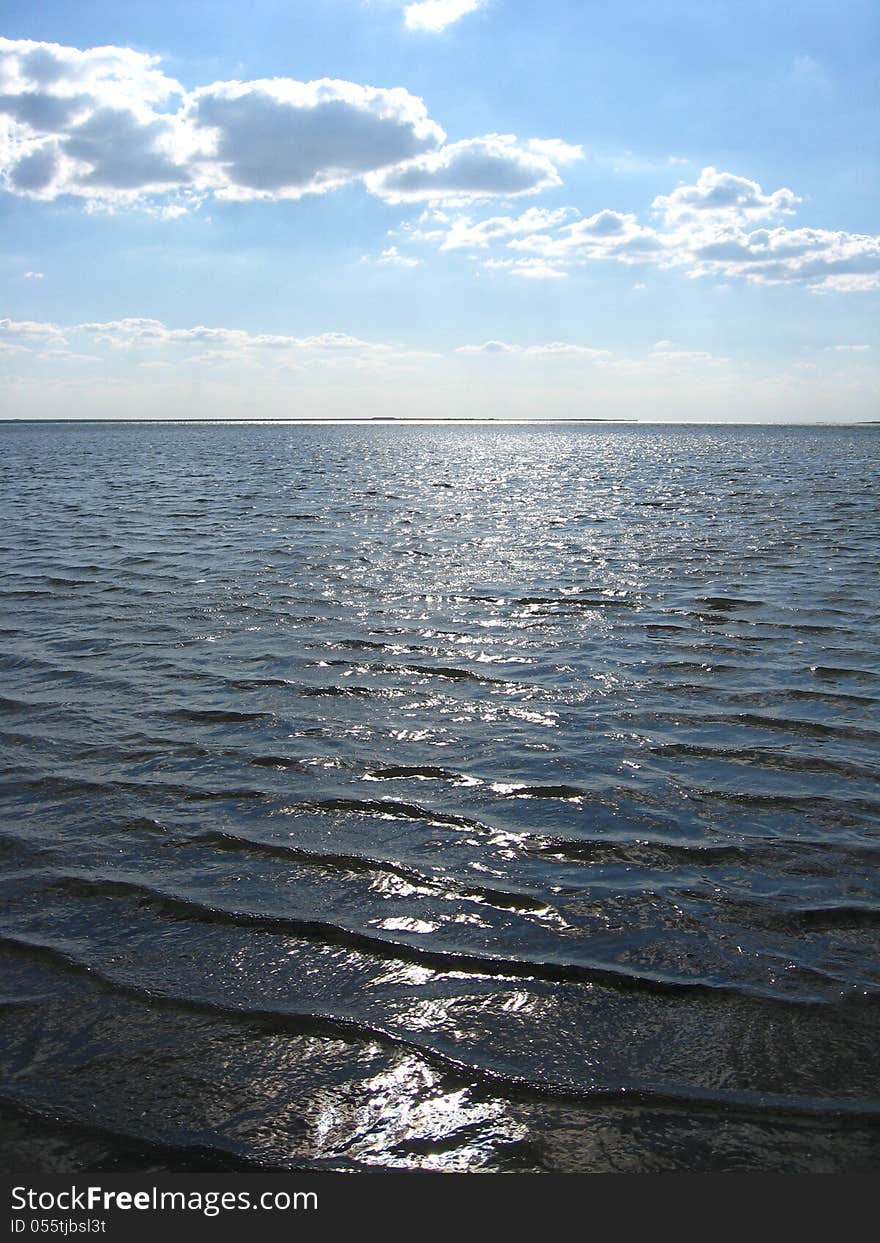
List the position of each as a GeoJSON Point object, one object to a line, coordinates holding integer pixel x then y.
{"type": "Point", "coordinates": [605, 235]}
{"type": "Point", "coordinates": [494, 166]}
{"type": "Point", "coordinates": [778, 256]}
{"type": "Point", "coordinates": [722, 226]}
{"type": "Point", "coordinates": [109, 126]}
{"type": "Point", "coordinates": [87, 122]}
{"type": "Point", "coordinates": [436, 15]}
{"type": "Point", "coordinates": [281, 138]}
{"type": "Point", "coordinates": [723, 198]}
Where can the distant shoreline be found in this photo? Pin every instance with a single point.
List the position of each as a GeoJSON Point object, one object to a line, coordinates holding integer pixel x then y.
{"type": "Point", "coordinates": [388, 420]}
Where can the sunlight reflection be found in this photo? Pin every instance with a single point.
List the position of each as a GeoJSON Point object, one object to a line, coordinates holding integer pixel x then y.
{"type": "Point", "coordinates": [407, 1117]}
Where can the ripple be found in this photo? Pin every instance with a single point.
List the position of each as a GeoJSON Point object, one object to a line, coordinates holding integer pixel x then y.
{"type": "Point", "coordinates": [620, 687]}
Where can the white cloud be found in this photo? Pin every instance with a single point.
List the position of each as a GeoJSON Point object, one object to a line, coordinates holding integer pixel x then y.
{"type": "Point", "coordinates": [557, 362]}
{"type": "Point", "coordinates": [822, 258]}
{"type": "Point", "coordinates": [489, 347]}
{"type": "Point", "coordinates": [86, 122]}
{"type": "Point", "coordinates": [151, 333]}
{"type": "Point", "coordinates": [393, 258]}
{"type": "Point", "coordinates": [552, 350]}
{"type": "Point", "coordinates": [563, 349]}
{"type": "Point", "coordinates": [848, 283]}
{"type": "Point", "coordinates": [709, 229]}
{"type": "Point", "coordinates": [150, 342]}
{"type": "Point", "coordinates": [605, 235]}
{"type": "Point", "coordinates": [724, 199]}
{"type": "Point", "coordinates": [464, 234]}
{"type": "Point", "coordinates": [529, 269]}
{"type": "Point", "coordinates": [556, 150]}
{"type": "Point", "coordinates": [436, 15]}
{"type": "Point", "coordinates": [494, 166]}
{"type": "Point", "coordinates": [666, 352]}
{"type": "Point", "coordinates": [107, 125]}
{"type": "Point", "coordinates": [29, 333]}
{"type": "Point", "coordinates": [68, 356]}
{"type": "Point", "coordinates": [280, 138]}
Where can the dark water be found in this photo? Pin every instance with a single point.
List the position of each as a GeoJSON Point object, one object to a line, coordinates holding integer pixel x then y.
{"type": "Point", "coordinates": [463, 798]}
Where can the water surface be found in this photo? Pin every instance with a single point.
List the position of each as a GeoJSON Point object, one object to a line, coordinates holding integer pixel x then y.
{"type": "Point", "coordinates": [498, 798]}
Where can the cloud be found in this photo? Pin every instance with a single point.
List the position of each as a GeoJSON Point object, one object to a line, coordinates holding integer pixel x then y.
{"type": "Point", "coordinates": [495, 166]}
{"type": "Point", "coordinates": [68, 356]}
{"type": "Point", "coordinates": [607, 235]}
{"type": "Point", "coordinates": [488, 347]}
{"type": "Point", "coordinates": [667, 352]}
{"type": "Point", "coordinates": [86, 122]}
{"type": "Point", "coordinates": [280, 138]}
{"type": "Point", "coordinates": [563, 349]}
{"type": "Point", "coordinates": [712, 228]}
{"type": "Point", "coordinates": [529, 269]}
{"type": "Point", "coordinates": [464, 234]}
{"type": "Point", "coordinates": [556, 150]}
{"type": "Point", "coordinates": [848, 284]}
{"type": "Point", "coordinates": [823, 259]}
{"type": "Point", "coordinates": [152, 333]}
{"type": "Point", "coordinates": [29, 333]}
{"type": "Point", "coordinates": [436, 15]}
{"type": "Point", "coordinates": [108, 126]}
{"type": "Point", "coordinates": [142, 341]}
{"type": "Point", "coordinates": [392, 257]}
{"type": "Point", "coordinates": [562, 361]}
{"type": "Point", "coordinates": [722, 198]}
{"type": "Point", "coordinates": [553, 349]}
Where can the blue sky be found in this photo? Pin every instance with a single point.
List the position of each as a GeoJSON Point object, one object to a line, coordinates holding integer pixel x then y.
{"type": "Point", "coordinates": [440, 207]}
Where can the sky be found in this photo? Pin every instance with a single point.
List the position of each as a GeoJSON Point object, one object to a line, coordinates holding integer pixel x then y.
{"type": "Point", "coordinates": [440, 209]}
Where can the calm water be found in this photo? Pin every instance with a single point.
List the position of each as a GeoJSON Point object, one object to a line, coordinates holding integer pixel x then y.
{"type": "Point", "coordinates": [454, 797]}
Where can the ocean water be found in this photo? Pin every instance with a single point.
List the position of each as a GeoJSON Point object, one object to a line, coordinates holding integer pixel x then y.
{"type": "Point", "coordinates": [447, 797]}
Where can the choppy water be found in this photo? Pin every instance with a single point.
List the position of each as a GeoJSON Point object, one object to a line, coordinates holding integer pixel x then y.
{"type": "Point", "coordinates": [449, 797]}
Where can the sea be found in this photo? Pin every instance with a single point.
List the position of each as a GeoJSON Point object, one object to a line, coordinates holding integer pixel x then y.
{"type": "Point", "coordinates": [458, 797]}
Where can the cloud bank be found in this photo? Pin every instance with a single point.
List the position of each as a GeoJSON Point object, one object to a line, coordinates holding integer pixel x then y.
{"type": "Point", "coordinates": [139, 342]}
{"type": "Point", "coordinates": [722, 226]}
{"type": "Point", "coordinates": [108, 126]}
{"type": "Point", "coordinates": [137, 367]}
